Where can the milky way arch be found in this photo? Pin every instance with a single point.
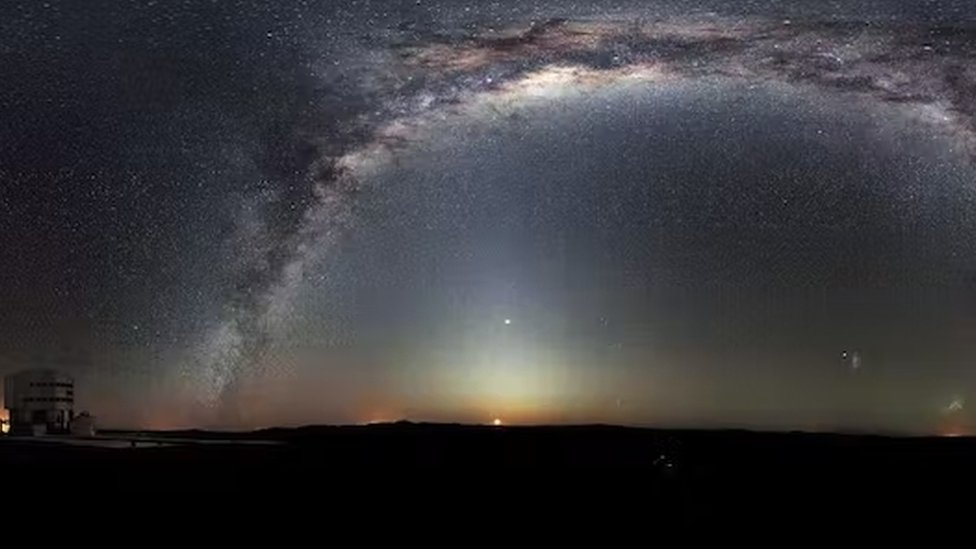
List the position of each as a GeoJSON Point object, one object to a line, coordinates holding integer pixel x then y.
{"type": "Point", "coordinates": [928, 70]}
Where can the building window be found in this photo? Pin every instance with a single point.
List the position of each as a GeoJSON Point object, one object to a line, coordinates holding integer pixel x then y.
{"type": "Point", "coordinates": [63, 384]}
{"type": "Point", "coordinates": [67, 399]}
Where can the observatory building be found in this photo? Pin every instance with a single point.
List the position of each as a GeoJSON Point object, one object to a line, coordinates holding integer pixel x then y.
{"type": "Point", "coordinates": [39, 401]}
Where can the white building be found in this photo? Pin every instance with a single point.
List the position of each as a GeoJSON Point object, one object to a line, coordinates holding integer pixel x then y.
{"type": "Point", "coordinates": [39, 401]}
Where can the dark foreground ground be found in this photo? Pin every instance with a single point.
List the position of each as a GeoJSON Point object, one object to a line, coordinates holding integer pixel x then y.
{"type": "Point", "coordinates": [688, 475]}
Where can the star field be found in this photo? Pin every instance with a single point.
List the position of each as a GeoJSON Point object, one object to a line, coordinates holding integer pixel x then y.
{"type": "Point", "coordinates": [237, 215]}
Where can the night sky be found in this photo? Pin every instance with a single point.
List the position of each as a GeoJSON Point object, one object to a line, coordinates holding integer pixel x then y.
{"type": "Point", "coordinates": [707, 213]}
